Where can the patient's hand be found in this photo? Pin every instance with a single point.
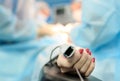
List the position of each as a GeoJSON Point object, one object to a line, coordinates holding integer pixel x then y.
{"type": "Point", "coordinates": [82, 60]}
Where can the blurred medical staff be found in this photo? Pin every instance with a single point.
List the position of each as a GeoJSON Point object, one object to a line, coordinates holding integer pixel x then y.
{"type": "Point", "coordinates": [20, 49]}
{"type": "Point", "coordinates": [42, 13]}
{"type": "Point", "coordinates": [19, 46]}
{"type": "Point", "coordinates": [100, 31]}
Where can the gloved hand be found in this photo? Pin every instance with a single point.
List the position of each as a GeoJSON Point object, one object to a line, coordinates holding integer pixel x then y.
{"type": "Point", "coordinates": [81, 60]}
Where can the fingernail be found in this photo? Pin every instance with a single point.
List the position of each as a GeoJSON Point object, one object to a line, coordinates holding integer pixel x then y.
{"type": "Point", "coordinates": [81, 51]}
{"type": "Point", "coordinates": [93, 59]}
{"type": "Point", "coordinates": [88, 51]}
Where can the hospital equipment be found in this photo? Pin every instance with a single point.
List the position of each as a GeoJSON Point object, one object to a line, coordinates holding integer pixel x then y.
{"type": "Point", "coordinates": [60, 11]}
{"type": "Point", "coordinates": [51, 72]}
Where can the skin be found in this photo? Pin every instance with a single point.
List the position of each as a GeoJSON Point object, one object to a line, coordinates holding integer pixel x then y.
{"type": "Point", "coordinates": [83, 62]}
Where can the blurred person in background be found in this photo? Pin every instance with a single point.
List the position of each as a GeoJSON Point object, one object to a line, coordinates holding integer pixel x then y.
{"type": "Point", "coordinates": [76, 10]}
{"type": "Point", "coordinates": [100, 31]}
{"type": "Point", "coordinates": [20, 49]}
{"type": "Point", "coordinates": [42, 13]}
{"type": "Point", "coordinates": [19, 46]}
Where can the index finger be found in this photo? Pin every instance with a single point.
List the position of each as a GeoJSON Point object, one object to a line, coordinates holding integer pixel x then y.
{"type": "Point", "coordinates": [68, 62]}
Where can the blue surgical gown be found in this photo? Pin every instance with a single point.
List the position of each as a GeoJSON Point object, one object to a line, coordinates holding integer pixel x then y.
{"type": "Point", "coordinates": [100, 31]}
{"type": "Point", "coordinates": [17, 61]}
{"type": "Point", "coordinates": [19, 45]}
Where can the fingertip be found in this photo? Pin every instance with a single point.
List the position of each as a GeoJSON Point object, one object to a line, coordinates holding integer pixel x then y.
{"type": "Point", "coordinates": [88, 51]}
{"type": "Point", "coordinates": [81, 51]}
{"type": "Point", "coordinates": [93, 60]}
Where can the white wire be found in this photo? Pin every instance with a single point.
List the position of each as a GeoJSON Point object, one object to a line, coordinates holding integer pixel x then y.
{"type": "Point", "coordinates": [81, 79]}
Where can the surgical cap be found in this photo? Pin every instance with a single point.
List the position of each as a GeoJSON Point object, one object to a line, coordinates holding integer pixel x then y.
{"type": "Point", "coordinates": [16, 20]}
